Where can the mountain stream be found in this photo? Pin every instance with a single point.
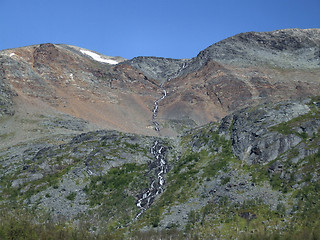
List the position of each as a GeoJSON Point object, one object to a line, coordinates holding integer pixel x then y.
{"type": "Point", "coordinates": [159, 165]}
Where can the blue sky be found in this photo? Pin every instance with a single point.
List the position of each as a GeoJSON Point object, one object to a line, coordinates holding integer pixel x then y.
{"type": "Point", "coordinates": [163, 28]}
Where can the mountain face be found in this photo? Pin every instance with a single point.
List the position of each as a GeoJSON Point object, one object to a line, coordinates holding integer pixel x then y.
{"type": "Point", "coordinates": [240, 71]}
{"type": "Point", "coordinates": [246, 69]}
{"type": "Point", "coordinates": [223, 145]}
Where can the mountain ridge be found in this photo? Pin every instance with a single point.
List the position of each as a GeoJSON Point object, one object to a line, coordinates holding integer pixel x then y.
{"type": "Point", "coordinates": [267, 38]}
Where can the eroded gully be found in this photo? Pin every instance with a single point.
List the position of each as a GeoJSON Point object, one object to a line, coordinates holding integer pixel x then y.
{"type": "Point", "coordinates": [159, 166]}
{"type": "Point", "coordinates": [160, 163]}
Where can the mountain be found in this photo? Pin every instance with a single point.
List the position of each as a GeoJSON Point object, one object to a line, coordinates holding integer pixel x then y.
{"type": "Point", "coordinates": [221, 146]}
{"type": "Point", "coordinates": [246, 69]}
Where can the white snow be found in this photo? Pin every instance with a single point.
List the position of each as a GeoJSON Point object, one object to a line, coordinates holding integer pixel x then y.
{"type": "Point", "coordinates": [12, 54]}
{"type": "Point", "coordinates": [98, 57]}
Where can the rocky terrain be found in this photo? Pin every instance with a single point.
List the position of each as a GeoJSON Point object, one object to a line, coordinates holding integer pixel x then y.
{"type": "Point", "coordinates": [243, 70]}
{"type": "Point", "coordinates": [221, 146]}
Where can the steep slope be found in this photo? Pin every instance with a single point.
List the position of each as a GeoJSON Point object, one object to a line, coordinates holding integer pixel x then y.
{"type": "Point", "coordinates": [242, 70]}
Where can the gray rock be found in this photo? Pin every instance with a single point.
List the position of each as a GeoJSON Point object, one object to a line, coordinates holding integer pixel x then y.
{"type": "Point", "coordinates": [65, 122]}
{"type": "Point", "coordinates": [288, 48]}
{"type": "Point", "coordinates": [6, 93]}
{"type": "Point", "coordinates": [252, 139]}
{"type": "Point", "coordinates": [158, 68]}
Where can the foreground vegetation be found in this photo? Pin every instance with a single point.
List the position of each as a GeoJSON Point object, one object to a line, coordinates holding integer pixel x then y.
{"type": "Point", "coordinates": [24, 225]}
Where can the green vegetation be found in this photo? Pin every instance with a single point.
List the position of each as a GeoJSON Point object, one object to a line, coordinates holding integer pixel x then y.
{"type": "Point", "coordinates": [115, 193]}
{"type": "Point", "coordinates": [71, 196]}
{"type": "Point", "coordinates": [225, 180]}
{"type": "Point", "coordinates": [250, 220]}
{"type": "Point", "coordinates": [117, 179]}
{"type": "Point", "coordinates": [292, 172]}
{"type": "Point", "coordinates": [306, 233]}
{"type": "Point", "coordinates": [191, 169]}
{"type": "Point", "coordinates": [285, 179]}
{"type": "Point", "coordinates": [5, 136]}
{"type": "Point", "coordinates": [164, 234]}
{"type": "Point", "coordinates": [25, 225]}
{"type": "Point", "coordinates": [206, 153]}
{"type": "Point", "coordinates": [34, 187]}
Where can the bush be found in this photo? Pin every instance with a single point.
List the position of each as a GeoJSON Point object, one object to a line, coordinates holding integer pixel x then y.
{"type": "Point", "coordinates": [71, 196]}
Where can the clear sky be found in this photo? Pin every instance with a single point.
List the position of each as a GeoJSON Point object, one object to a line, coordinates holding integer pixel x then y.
{"type": "Point", "coordinates": [163, 28]}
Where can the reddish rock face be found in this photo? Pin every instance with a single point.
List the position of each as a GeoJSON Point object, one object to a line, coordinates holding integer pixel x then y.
{"type": "Point", "coordinates": [218, 89]}
{"type": "Point", "coordinates": [45, 54]}
{"type": "Point", "coordinates": [59, 78]}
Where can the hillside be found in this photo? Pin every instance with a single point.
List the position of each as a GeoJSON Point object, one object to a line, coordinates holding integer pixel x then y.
{"type": "Point", "coordinates": [257, 168]}
{"type": "Point", "coordinates": [221, 146]}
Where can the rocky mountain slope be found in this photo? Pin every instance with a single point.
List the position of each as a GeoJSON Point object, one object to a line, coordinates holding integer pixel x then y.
{"type": "Point", "coordinates": [247, 69]}
{"type": "Point", "coordinates": [256, 169]}
{"type": "Point", "coordinates": [221, 146]}
{"type": "Point", "coordinates": [51, 79]}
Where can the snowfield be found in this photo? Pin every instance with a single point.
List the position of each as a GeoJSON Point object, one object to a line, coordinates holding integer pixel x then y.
{"type": "Point", "coordinates": [98, 57]}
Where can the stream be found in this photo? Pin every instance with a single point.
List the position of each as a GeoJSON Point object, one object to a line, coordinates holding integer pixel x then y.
{"type": "Point", "coordinates": [159, 165]}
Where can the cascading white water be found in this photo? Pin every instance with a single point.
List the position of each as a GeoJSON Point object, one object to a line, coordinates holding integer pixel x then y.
{"type": "Point", "coordinates": [158, 151]}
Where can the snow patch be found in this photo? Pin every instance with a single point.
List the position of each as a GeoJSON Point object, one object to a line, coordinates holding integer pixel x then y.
{"type": "Point", "coordinates": [98, 57]}
{"type": "Point", "coordinates": [12, 54]}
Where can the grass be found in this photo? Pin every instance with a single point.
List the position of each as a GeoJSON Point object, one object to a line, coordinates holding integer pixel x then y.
{"type": "Point", "coordinates": [224, 219]}
{"type": "Point", "coordinates": [34, 187]}
{"type": "Point", "coordinates": [222, 158]}
{"type": "Point", "coordinates": [19, 224]}
{"type": "Point", "coordinates": [112, 195]}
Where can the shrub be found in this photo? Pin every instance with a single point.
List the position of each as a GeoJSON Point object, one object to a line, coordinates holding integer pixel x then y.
{"type": "Point", "coordinates": [71, 196]}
